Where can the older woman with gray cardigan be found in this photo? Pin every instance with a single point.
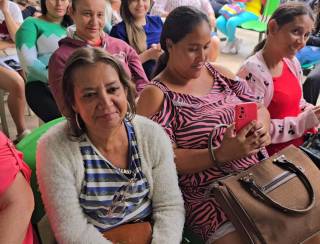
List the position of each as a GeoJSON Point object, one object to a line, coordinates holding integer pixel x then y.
{"type": "Point", "coordinates": [106, 168]}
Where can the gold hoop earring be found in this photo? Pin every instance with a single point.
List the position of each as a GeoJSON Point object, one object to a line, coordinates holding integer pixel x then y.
{"type": "Point", "coordinates": [129, 109]}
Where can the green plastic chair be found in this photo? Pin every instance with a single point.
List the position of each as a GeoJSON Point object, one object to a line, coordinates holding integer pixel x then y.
{"type": "Point", "coordinates": [28, 146]}
{"type": "Point", "coordinates": [261, 25]}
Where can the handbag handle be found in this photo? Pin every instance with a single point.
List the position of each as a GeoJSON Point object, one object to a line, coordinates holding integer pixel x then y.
{"type": "Point", "coordinates": [282, 162]}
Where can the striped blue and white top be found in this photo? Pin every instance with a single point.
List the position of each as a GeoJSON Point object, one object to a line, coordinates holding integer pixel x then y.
{"type": "Point", "coordinates": [111, 196]}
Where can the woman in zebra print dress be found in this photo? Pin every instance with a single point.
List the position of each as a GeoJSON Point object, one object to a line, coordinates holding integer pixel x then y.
{"type": "Point", "coordinates": [190, 98]}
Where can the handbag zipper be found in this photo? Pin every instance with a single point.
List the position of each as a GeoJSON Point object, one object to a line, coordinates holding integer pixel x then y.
{"type": "Point", "coordinates": [279, 180]}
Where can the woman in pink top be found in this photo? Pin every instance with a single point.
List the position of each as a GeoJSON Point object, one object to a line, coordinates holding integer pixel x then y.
{"type": "Point", "coordinates": [164, 7]}
{"type": "Point", "coordinates": [275, 76]}
{"type": "Point", "coordinates": [191, 98]}
{"type": "Point", "coordinates": [89, 19]}
{"type": "Point", "coordinates": [16, 198]}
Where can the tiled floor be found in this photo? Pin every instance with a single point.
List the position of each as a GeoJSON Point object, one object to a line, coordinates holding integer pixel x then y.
{"type": "Point", "coordinates": [232, 62]}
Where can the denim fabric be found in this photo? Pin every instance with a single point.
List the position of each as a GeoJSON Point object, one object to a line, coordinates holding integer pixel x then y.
{"type": "Point", "coordinates": [228, 27]}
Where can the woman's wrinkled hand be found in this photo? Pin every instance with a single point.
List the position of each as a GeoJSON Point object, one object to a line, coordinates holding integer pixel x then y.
{"type": "Point", "coordinates": [247, 141]}
{"type": "Point", "coordinates": [155, 51]}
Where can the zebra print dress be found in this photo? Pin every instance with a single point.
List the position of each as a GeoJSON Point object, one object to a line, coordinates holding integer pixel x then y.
{"type": "Point", "coordinates": [189, 120]}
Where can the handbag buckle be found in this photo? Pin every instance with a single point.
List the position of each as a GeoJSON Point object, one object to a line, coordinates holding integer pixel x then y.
{"type": "Point", "coordinates": [247, 178]}
{"type": "Point", "coordinates": [281, 159]}
{"type": "Point", "coordinates": [249, 182]}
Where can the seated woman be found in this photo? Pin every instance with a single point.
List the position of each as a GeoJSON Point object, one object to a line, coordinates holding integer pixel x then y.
{"type": "Point", "coordinates": [164, 7]}
{"type": "Point", "coordinates": [16, 198]}
{"type": "Point", "coordinates": [191, 99]}
{"type": "Point", "coordinates": [217, 5]}
{"type": "Point", "coordinates": [141, 31]}
{"type": "Point", "coordinates": [105, 162]}
{"type": "Point", "coordinates": [11, 80]}
{"type": "Point", "coordinates": [36, 40]}
{"type": "Point", "coordinates": [88, 31]}
{"type": "Point", "coordinates": [275, 76]}
{"type": "Point", "coordinates": [229, 26]}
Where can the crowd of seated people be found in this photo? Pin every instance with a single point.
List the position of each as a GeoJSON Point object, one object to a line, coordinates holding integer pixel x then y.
{"type": "Point", "coordinates": [141, 94]}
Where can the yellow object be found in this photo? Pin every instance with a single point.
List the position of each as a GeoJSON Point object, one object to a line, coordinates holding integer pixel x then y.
{"type": "Point", "coordinates": [254, 6]}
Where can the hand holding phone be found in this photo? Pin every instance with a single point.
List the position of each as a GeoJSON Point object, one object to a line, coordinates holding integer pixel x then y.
{"type": "Point", "coordinates": [245, 113]}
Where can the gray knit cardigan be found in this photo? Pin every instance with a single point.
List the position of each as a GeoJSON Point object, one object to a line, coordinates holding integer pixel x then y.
{"type": "Point", "coordinates": [60, 173]}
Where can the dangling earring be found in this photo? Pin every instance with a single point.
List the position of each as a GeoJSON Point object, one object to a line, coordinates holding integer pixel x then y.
{"type": "Point", "coordinates": [77, 121]}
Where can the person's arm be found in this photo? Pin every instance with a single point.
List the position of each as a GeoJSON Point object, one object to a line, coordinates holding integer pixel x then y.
{"type": "Point", "coordinates": [159, 8]}
{"type": "Point", "coordinates": [137, 72]}
{"type": "Point", "coordinates": [206, 7]}
{"type": "Point", "coordinates": [16, 207]}
{"type": "Point", "coordinates": [6, 44]}
{"type": "Point", "coordinates": [281, 130]}
{"type": "Point", "coordinates": [167, 203]}
{"type": "Point", "coordinates": [241, 145]}
{"type": "Point", "coordinates": [153, 53]}
{"type": "Point", "coordinates": [26, 43]}
{"type": "Point", "coordinates": [150, 103]}
{"type": "Point", "coordinates": [13, 20]}
{"type": "Point", "coordinates": [244, 142]}
{"type": "Point", "coordinates": [57, 174]}
{"type": "Point", "coordinates": [258, 87]}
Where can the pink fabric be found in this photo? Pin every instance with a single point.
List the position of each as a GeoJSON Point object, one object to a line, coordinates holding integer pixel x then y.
{"type": "Point", "coordinates": [114, 46]}
{"type": "Point", "coordinates": [189, 120]}
{"type": "Point", "coordinates": [10, 164]}
{"type": "Point", "coordinates": [161, 6]}
{"type": "Point", "coordinates": [256, 73]}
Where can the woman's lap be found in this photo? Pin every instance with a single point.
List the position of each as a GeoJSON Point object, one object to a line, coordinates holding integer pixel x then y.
{"type": "Point", "coordinates": [203, 215]}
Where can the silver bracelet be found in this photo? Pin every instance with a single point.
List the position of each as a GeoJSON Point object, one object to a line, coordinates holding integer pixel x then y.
{"type": "Point", "coordinates": [211, 148]}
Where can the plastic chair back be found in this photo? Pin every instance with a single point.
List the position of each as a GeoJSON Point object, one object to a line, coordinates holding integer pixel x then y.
{"type": "Point", "coordinates": [28, 146]}
{"type": "Point", "coordinates": [261, 24]}
{"type": "Point", "coordinates": [269, 8]}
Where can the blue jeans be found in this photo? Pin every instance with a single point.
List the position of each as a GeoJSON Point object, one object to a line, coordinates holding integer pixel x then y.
{"type": "Point", "coordinates": [228, 27]}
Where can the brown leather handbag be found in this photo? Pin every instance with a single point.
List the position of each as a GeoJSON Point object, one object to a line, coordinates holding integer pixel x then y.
{"type": "Point", "coordinates": [133, 233]}
{"type": "Point", "coordinates": [275, 201]}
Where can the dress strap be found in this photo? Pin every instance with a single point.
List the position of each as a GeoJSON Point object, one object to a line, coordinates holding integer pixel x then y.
{"type": "Point", "coordinates": [160, 85]}
{"type": "Point", "coordinates": [211, 69]}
